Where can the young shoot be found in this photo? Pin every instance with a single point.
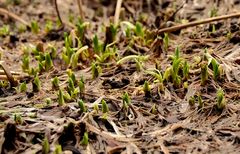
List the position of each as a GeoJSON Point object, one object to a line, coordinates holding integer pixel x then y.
{"type": "Point", "coordinates": [48, 26]}
{"type": "Point", "coordinates": [139, 30]}
{"type": "Point", "coordinates": [146, 89]}
{"type": "Point", "coordinates": [61, 100]}
{"type": "Point", "coordinates": [45, 146]}
{"type": "Point", "coordinates": [166, 41]}
{"type": "Point", "coordinates": [216, 71]}
{"type": "Point", "coordinates": [96, 70]}
{"type": "Point", "coordinates": [25, 63]}
{"type": "Point", "coordinates": [104, 106]}
{"type": "Point", "coordinates": [55, 83]}
{"type": "Point", "coordinates": [186, 70]}
{"type": "Point", "coordinates": [204, 73]}
{"type": "Point", "coordinates": [221, 103]}
{"type": "Point", "coordinates": [97, 45]}
{"type": "Point", "coordinates": [18, 119]}
{"type": "Point", "coordinates": [48, 62]}
{"type": "Point", "coordinates": [58, 149]}
{"type": "Point", "coordinates": [85, 139]}
{"type": "Point", "coordinates": [34, 27]}
{"type": "Point", "coordinates": [81, 86]}
{"type": "Point", "coordinates": [154, 109]}
{"type": "Point", "coordinates": [23, 87]}
{"type": "Point", "coordinates": [82, 106]}
{"type": "Point", "coordinates": [36, 84]}
{"type": "Point", "coordinates": [200, 101]}
{"type": "Point", "coordinates": [157, 74]}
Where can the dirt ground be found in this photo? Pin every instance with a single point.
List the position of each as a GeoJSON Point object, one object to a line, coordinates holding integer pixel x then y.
{"type": "Point", "coordinates": [169, 110]}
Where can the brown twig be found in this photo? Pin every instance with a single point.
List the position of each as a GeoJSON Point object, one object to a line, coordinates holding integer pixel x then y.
{"type": "Point", "coordinates": [195, 23]}
{"type": "Point", "coordinates": [10, 78]}
{"type": "Point", "coordinates": [13, 16]}
{"type": "Point", "coordinates": [58, 14]}
{"type": "Point", "coordinates": [80, 9]}
{"type": "Point", "coordinates": [117, 12]}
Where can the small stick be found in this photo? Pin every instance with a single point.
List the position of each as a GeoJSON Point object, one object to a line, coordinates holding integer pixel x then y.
{"type": "Point", "coordinates": [11, 79]}
{"type": "Point", "coordinates": [195, 23]}
{"type": "Point", "coordinates": [13, 16]}
{"type": "Point", "coordinates": [12, 72]}
{"type": "Point", "coordinates": [117, 12]}
{"type": "Point", "coordinates": [80, 9]}
{"type": "Point", "coordinates": [58, 14]}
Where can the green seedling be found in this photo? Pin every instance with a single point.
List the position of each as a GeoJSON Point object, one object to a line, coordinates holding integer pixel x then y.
{"type": "Point", "coordinates": [165, 41]}
{"type": "Point", "coordinates": [95, 107]}
{"type": "Point", "coordinates": [22, 28]}
{"type": "Point", "coordinates": [85, 139]}
{"type": "Point", "coordinates": [48, 26]}
{"type": "Point", "coordinates": [81, 86]}
{"type": "Point", "coordinates": [58, 149]}
{"type": "Point", "coordinates": [33, 71]}
{"type": "Point", "coordinates": [45, 146]}
{"type": "Point", "coordinates": [126, 100]}
{"type": "Point", "coordinates": [48, 101]}
{"type": "Point", "coordinates": [82, 106]}
{"type": "Point", "coordinates": [23, 87]}
{"type": "Point", "coordinates": [154, 109]}
{"type": "Point", "coordinates": [213, 13]}
{"type": "Point", "coordinates": [137, 58]}
{"type": "Point", "coordinates": [97, 45]}
{"type": "Point", "coordinates": [96, 70]}
{"type": "Point", "coordinates": [204, 73]}
{"type": "Point", "coordinates": [216, 71]}
{"type": "Point", "coordinates": [146, 89]}
{"type": "Point", "coordinates": [71, 86]}
{"type": "Point", "coordinates": [139, 30]}
{"type": "Point", "coordinates": [186, 70]}
{"type": "Point", "coordinates": [36, 84]}
{"type": "Point", "coordinates": [61, 100]}
{"type": "Point", "coordinates": [25, 63]}
{"type": "Point", "coordinates": [167, 74]}
{"type": "Point", "coordinates": [48, 62]}
{"type": "Point", "coordinates": [221, 103]}
{"type": "Point", "coordinates": [113, 30]}
{"type": "Point", "coordinates": [4, 30]}
{"type": "Point", "coordinates": [200, 101]}
{"type": "Point", "coordinates": [4, 84]}
{"type": "Point", "coordinates": [18, 119]}
{"type": "Point", "coordinates": [75, 57]}
{"type": "Point", "coordinates": [34, 27]}
{"type": "Point", "coordinates": [67, 97]}
{"type": "Point", "coordinates": [157, 74]}
{"type": "Point", "coordinates": [55, 83]}
{"type": "Point", "coordinates": [71, 75]}
{"type": "Point", "coordinates": [185, 85]}
{"type": "Point", "coordinates": [52, 50]}
{"type": "Point", "coordinates": [81, 28]}
{"type": "Point", "coordinates": [191, 101]}
{"type": "Point", "coordinates": [104, 106]}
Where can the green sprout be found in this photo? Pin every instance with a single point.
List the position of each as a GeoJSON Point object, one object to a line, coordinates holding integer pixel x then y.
{"type": "Point", "coordinates": [221, 103]}
{"type": "Point", "coordinates": [85, 139]}
{"type": "Point", "coordinates": [186, 70]}
{"type": "Point", "coordinates": [58, 149]}
{"type": "Point", "coordinates": [191, 101]}
{"type": "Point", "coordinates": [113, 30]}
{"type": "Point", "coordinates": [61, 100]}
{"type": "Point", "coordinates": [139, 29]}
{"type": "Point", "coordinates": [104, 106]}
{"type": "Point", "coordinates": [82, 106]}
{"type": "Point", "coordinates": [36, 84]}
{"type": "Point", "coordinates": [126, 100]}
{"type": "Point", "coordinates": [71, 86]}
{"type": "Point", "coordinates": [45, 146]}
{"type": "Point", "coordinates": [185, 85]}
{"type": "Point", "coordinates": [48, 26]}
{"type": "Point", "coordinates": [216, 70]}
{"type": "Point", "coordinates": [81, 86]}
{"type": "Point", "coordinates": [200, 101]}
{"type": "Point", "coordinates": [157, 74]}
{"type": "Point", "coordinates": [146, 89]}
{"type": "Point", "coordinates": [4, 30]}
{"type": "Point", "coordinates": [18, 119]}
{"type": "Point", "coordinates": [48, 101]}
{"type": "Point", "coordinates": [25, 63]}
{"type": "Point", "coordinates": [167, 74]}
{"type": "Point", "coordinates": [96, 70]}
{"type": "Point", "coordinates": [81, 28]}
{"type": "Point", "coordinates": [75, 56]}
{"type": "Point", "coordinates": [97, 45]}
{"type": "Point", "coordinates": [154, 109]}
{"type": "Point", "coordinates": [23, 87]}
{"type": "Point", "coordinates": [71, 75]}
{"type": "Point", "coordinates": [34, 27]}
{"type": "Point", "coordinates": [166, 41]}
{"type": "Point", "coordinates": [55, 83]}
{"type": "Point", "coordinates": [48, 62]}
{"type": "Point", "coordinates": [204, 73]}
